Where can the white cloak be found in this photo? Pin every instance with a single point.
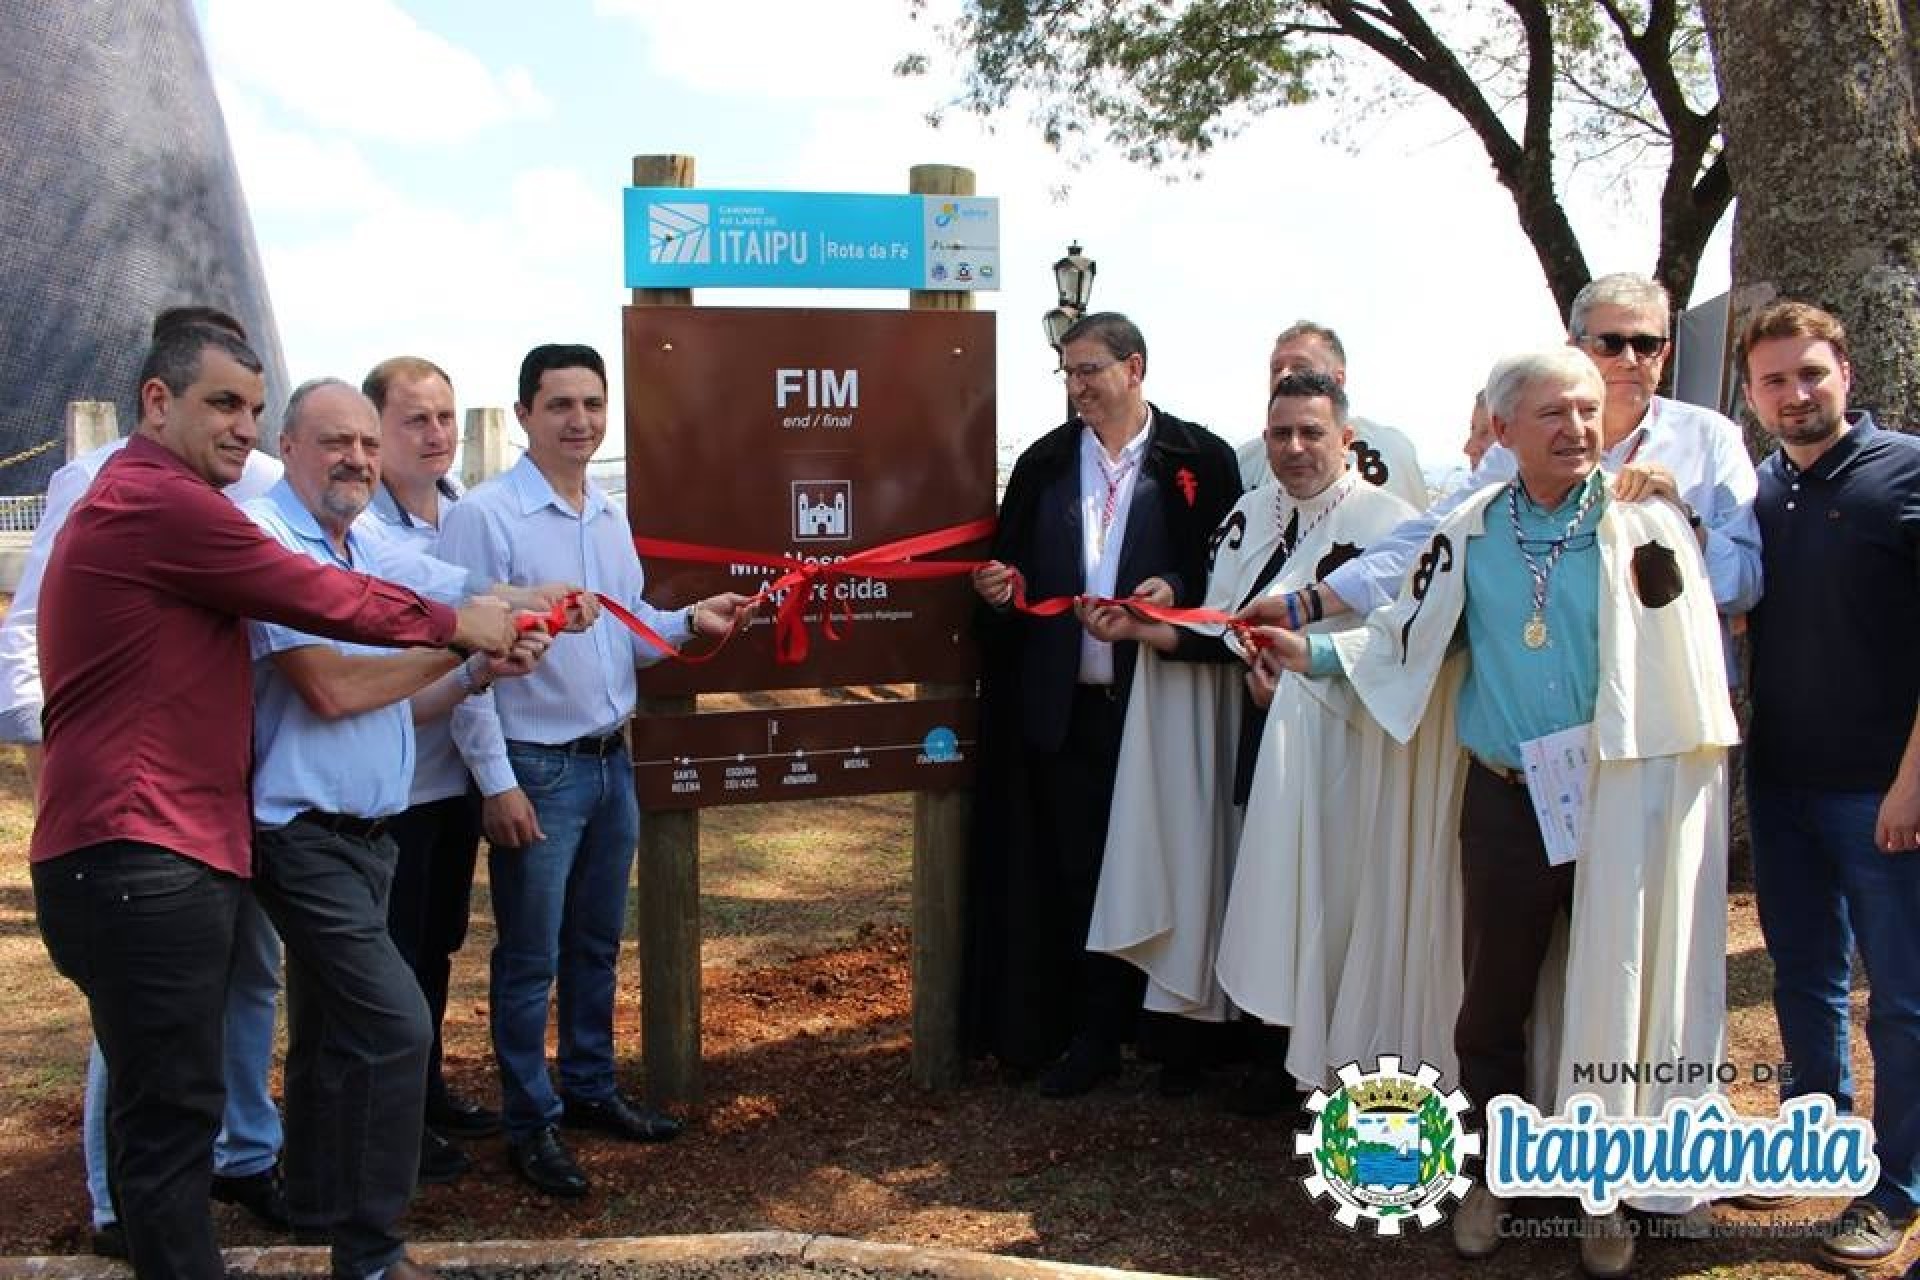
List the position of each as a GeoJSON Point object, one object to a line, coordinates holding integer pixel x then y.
{"type": "Point", "coordinates": [1173, 827]}
{"type": "Point", "coordinates": [1644, 976]}
{"type": "Point", "coordinates": [1337, 927]}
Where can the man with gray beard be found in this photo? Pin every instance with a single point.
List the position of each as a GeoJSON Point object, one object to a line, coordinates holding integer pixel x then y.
{"type": "Point", "coordinates": [333, 759]}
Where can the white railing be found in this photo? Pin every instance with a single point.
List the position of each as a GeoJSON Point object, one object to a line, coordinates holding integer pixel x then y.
{"type": "Point", "coordinates": [22, 514]}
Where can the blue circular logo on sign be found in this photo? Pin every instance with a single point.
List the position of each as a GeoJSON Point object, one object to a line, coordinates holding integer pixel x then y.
{"type": "Point", "coordinates": [941, 746]}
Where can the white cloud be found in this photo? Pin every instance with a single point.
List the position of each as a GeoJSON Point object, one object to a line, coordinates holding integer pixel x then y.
{"type": "Point", "coordinates": [367, 68]}
{"type": "Point", "coordinates": [295, 173]}
{"type": "Point", "coordinates": [776, 49]}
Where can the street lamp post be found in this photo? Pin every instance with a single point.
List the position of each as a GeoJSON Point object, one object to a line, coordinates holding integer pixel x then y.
{"type": "Point", "coordinates": [1073, 281]}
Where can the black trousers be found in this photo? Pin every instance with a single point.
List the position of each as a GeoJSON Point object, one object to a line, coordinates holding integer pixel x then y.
{"type": "Point", "coordinates": [1073, 792]}
{"type": "Point", "coordinates": [357, 1040]}
{"type": "Point", "coordinates": [432, 900]}
{"type": "Point", "coordinates": [147, 936]}
{"type": "Point", "coordinates": [1512, 899]}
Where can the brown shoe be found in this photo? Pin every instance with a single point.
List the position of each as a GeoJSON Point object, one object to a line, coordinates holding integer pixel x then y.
{"type": "Point", "coordinates": [1476, 1223]}
{"type": "Point", "coordinates": [1864, 1235]}
{"type": "Point", "coordinates": [405, 1268]}
{"type": "Point", "coordinates": [1758, 1203]}
{"type": "Point", "coordinates": [1606, 1245]}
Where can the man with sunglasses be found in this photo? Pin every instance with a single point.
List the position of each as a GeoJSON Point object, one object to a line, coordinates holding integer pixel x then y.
{"type": "Point", "coordinates": [1119, 501]}
{"type": "Point", "coordinates": [1652, 446]}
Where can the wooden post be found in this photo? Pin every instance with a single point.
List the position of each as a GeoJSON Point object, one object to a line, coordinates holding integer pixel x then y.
{"type": "Point", "coordinates": [940, 818]}
{"type": "Point", "coordinates": [667, 893]}
{"type": "Point", "coordinates": [483, 446]}
{"type": "Point", "coordinates": [90, 424]}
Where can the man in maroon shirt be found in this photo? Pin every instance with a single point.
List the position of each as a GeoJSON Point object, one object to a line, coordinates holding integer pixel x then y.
{"type": "Point", "coordinates": [143, 839]}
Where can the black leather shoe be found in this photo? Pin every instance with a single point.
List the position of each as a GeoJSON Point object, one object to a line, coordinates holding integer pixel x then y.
{"type": "Point", "coordinates": [260, 1194]}
{"type": "Point", "coordinates": [1180, 1079]}
{"type": "Point", "coordinates": [1264, 1091]}
{"type": "Point", "coordinates": [109, 1241]}
{"type": "Point", "coordinates": [1864, 1234]}
{"type": "Point", "coordinates": [621, 1118]}
{"type": "Point", "coordinates": [456, 1117]}
{"type": "Point", "coordinates": [542, 1159]}
{"type": "Point", "coordinates": [1085, 1065]}
{"type": "Point", "coordinates": [441, 1161]}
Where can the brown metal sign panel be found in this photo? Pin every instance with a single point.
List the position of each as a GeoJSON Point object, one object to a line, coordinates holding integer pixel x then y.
{"type": "Point", "coordinates": [811, 433]}
{"type": "Point", "coordinates": [803, 753]}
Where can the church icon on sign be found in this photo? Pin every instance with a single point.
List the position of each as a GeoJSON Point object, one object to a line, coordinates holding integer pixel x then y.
{"type": "Point", "coordinates": [822, 510]}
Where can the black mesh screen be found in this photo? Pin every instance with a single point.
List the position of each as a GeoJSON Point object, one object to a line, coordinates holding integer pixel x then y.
{"type": "Point", "coordinates": [118, 197]}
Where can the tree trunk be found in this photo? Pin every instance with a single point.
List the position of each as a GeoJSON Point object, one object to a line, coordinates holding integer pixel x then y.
{"type": "Point", "coordinates": [1818, 106]}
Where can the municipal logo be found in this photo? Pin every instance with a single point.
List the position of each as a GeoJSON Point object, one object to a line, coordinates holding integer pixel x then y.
{"type": "Point", "coordinates": [1386, 1146]}
{"type": "Point", "coordinates": [678, 234]}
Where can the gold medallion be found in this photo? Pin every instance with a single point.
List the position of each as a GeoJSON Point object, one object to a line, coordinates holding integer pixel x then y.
{"type": "Point", "coordinates": [1534, 634]}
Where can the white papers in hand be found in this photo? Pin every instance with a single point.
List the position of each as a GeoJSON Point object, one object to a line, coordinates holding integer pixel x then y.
{"type": "Point", "coordinates": [1557, 767]}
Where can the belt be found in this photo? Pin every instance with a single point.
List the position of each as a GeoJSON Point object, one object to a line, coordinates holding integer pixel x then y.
{"type": "Point", "coordinates": [343, 824]}
{"type": "Point", "coordinates": [592, 745]}
{"type": "Point", "coordinates": [1512, 777]}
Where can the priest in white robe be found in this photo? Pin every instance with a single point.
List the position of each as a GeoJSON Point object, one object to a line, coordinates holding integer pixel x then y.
{"type": "Point", "coordinates": [1192, 730]}
{"type": "Point", "coordinates": [1584, 615]}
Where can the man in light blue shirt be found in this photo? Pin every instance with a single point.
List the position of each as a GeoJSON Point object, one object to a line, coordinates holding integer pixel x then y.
{"type": "Point", "coordinates": [438, 836]}
{"type": "Point", "coordinates": [550, 756]}
{"type": "Point", "coordinates": [1578, 615]}
{"type": "Point", "coordinates": [333, 760]}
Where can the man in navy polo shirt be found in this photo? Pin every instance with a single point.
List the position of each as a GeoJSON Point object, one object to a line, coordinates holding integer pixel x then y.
{"type": "Point", "coordinates": [1833, 784]}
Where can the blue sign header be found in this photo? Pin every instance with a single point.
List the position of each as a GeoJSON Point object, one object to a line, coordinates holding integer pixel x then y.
{"type": "Point", "coordinates": [689, 237]}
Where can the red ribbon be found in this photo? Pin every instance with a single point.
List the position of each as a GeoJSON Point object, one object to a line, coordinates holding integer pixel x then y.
{"type": "Point", "coordinates": [554, 621]}
{"type": "Point", "coordinates": [794, 587]}
{"type": "Point", "coordinates": [1179, 617]}
{"type": "Point", "coordinates": [889, 560]}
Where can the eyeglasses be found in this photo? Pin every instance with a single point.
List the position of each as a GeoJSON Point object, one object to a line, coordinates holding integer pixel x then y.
{"type": "Point", "coordinates": [1084, 371]}
{"type": "Point", "coordinates": [1610, 345]}
{"type": "Point", "coordinates": [1544, 546]}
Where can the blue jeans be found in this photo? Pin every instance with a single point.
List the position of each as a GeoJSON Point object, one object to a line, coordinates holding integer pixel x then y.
{"type": "Point", "coordinates": [250, 1135]}
{"type": "Point", "coordinates": [559, 908]}
{"type": "Point", "coordinates": [1823, 888]}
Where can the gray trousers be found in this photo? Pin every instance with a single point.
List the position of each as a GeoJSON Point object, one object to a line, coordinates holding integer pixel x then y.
{"type": "Point", "coordinates": [358, 1035]}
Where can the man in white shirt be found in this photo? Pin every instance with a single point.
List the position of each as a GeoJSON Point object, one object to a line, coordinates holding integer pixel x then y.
{"type": "Point", "coordinates": [1382, 455]}
{"type": "Point", "coordinates": [550, 756]}
{"type": "Point", "coordinates": [1653, 446]}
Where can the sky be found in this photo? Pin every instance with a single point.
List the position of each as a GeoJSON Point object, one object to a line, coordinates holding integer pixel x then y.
{"type": "Point", "coordinates": [443, 178]}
